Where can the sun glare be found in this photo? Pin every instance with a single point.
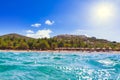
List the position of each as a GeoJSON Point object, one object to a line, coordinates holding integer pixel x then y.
{"type": "Point", "coordinates": [103, 13]}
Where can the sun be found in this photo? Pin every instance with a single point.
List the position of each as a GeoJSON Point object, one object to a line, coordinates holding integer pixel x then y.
{"type": "Point", "coordinates": [103, 12]}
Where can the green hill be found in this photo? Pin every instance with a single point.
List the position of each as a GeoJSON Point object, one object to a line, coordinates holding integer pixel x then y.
{"type": "Point", "coordinates": [14, 35]}
{"type": "Point", "coordinates": [20, 42]}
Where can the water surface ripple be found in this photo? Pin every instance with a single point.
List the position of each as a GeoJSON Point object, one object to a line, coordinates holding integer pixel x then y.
{"type": "Point", "coordinates": [59, 66]}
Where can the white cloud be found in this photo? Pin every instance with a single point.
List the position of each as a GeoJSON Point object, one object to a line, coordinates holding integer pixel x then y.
{"type": "Point", "coordinates": [45, 33]}
{"type": "Point", "coordinates": [48, 22]}
{"type": "Point", "coordinates": [36, 25]}
{"type": "Point", "coordinates": [29, 31]}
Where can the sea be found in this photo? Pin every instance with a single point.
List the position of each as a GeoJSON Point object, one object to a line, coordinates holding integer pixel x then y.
{"type": "Point", "coordinates": [59, 66]}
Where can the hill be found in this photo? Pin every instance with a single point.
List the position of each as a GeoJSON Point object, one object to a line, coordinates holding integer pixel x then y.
{"type": "Point", "coordinates": [14, 35]}
{"type": "Point", "coordinates": [80, 37]}
{"type": "Point", "coordinates": [15, 41]}
{"type": "Point", "coordinates": [67, 36]}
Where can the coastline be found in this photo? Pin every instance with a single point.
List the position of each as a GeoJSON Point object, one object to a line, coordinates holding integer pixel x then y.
{"type": "Point", "coordinates": [60, 51]}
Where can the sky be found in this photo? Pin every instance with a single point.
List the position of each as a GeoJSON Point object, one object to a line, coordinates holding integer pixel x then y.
{"type": "Point", "coordinates": [47, 18]}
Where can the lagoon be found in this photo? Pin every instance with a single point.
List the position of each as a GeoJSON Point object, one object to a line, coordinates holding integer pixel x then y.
{"type": "Point", "coordinates": [59, 66]}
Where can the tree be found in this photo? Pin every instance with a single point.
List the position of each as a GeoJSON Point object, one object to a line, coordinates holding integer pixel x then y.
{"type": "Point", "coordinates": [54, 45]}
{"type": "Point", "coordinates": [44, 45]}
{"type": "Point", "coordinates": [22, 45]}
{"type": "Point", "coordinates": [60, 44]}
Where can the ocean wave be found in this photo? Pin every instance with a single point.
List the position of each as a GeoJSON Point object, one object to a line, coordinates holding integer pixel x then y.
{"type": "Point", "coordinates": [59, 66]}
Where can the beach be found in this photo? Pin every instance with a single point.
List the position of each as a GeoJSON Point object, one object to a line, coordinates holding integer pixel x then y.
{"type": "Point", "coordinates": [61, 51]}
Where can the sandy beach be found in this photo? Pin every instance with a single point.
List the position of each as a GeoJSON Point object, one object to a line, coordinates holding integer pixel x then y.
{"type": "Point", "coordinates": [57, 51]}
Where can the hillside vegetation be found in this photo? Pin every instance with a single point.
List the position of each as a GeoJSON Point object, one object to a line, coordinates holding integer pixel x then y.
{"type": "Point", "coordinates": [19, 42]}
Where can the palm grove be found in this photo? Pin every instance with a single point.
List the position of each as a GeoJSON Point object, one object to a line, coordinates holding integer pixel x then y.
{"type": "Point", "coordinates": [18, 42]}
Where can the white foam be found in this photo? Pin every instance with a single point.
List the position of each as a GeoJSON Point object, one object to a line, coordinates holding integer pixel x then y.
{"type": "Point", "coordinates": [106, 62]}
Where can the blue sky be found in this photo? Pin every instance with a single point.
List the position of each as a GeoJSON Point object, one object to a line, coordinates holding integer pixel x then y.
{"type": "Point", "coordinates": [46, 18]}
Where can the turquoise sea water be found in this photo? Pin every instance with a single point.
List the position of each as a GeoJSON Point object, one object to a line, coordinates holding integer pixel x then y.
{"type": "Point", "coordinates": [59, 66]}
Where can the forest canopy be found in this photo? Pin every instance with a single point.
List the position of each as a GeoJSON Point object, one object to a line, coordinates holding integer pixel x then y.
{"type": "Point", "coordinates": [19, 42]}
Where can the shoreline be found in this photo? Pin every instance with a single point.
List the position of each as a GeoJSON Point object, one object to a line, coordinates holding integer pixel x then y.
{"type": "Point", "coordinates": [60, 51]}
